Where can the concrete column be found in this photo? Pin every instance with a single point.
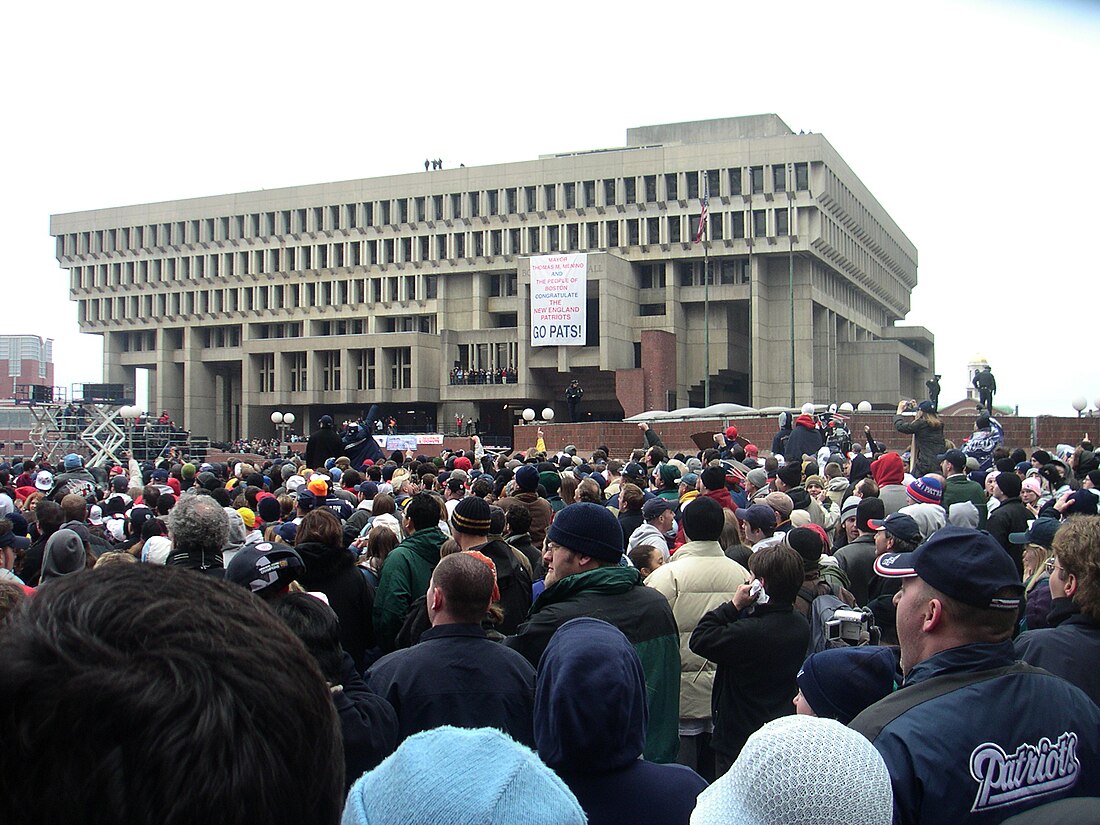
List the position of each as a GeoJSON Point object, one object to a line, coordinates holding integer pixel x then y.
{"type": "Point", "coordinates": [198, 381]}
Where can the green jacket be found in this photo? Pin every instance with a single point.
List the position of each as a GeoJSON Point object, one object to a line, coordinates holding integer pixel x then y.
{"type": "Point", "coordinates": [958, 488]}
{"type": "Point", "coordinates": [617, 596]}
{"type": "Point", "coordinates": [405, 577]}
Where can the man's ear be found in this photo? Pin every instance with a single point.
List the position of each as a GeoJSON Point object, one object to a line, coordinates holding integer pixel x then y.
{"type": "Point", "coordinates": [933, 615]}
{"type": "Point", "coordinates": [435, 599]}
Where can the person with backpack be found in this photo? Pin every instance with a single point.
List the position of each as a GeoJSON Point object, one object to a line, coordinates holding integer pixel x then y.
{"type": "Point", "coordinates": [758, 640]}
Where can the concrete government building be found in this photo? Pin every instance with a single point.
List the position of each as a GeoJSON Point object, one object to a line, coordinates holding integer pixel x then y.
{"type": "Point", "coordinates": [325, 298]}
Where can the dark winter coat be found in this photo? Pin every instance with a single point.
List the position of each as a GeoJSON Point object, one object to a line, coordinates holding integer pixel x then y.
{"type": "Point", "coordinates": [590, 727]}
{"type": "Point", "coordinates": [1012, 516]}
{"type": "Point", "coordinates": [367, 722]}
{"type": "Point", "coordinates": [1070, 650]}
{"type": "Point", "coordinates": [618, 596]}
{"type": "Point", "coordinates": [758, 655]}
{"type": "Point", "coordinates": [332, 571]}
{"type": "Point", "coordinates": [805, 439]}
{"type": "Point", "coordinates": [457, 676]}
{"type": "Point", "coordinates": [323, 444]}
{"type": "Point", "coordinates": [927, 442]}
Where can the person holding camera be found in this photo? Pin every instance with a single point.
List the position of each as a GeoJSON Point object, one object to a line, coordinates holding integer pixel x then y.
{"type": "Point", "coordinates": [758, 640]}
{"type": "Point", "coordinates": [927, 431]}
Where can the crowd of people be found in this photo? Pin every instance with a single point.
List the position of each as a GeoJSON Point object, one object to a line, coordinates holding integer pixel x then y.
{"type": "Point", "coordinates": [739, 634]}
{"type": "Point", "coordinates": [501, 375]}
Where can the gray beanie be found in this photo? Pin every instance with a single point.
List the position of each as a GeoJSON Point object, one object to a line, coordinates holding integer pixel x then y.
{"type": "Point", "coordinates": [64, 554]}
{"type": "Point", "coordinates": [758, 478]}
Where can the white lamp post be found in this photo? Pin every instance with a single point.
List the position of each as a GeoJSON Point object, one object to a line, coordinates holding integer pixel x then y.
{"type": "Point", "coordinates": [130, 414]}
{"type": "Point", "coordinates": [1079, 403]}
{"type": "Point", "coordinates": [283, 421]}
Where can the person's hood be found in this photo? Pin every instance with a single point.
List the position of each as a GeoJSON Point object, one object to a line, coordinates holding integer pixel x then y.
{"type": "Point", "coordinates": [590, 699]}
{"type": "Point", "coordinates": [888, 468]}
{"type": "Point", "coordinates": [838, 484]}
{"type": "Point", "coordinates": [929, 517]}
{"type": "Point", "coordinates": [861, 468]}
{"type": "Point", "coordinates": [806, 421]}
{"type": "Point", "coordinates": [722, 496]}
{"type": "Point", "coordinates": [799, 497]}
{"type": "Point", "coordinates": [322, 559]}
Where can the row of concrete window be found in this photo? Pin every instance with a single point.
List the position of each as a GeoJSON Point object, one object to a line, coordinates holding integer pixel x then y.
{"type": "Point", "coordinates": [594, 235]}
{"type": "Point", "coordinates": [678, 186]}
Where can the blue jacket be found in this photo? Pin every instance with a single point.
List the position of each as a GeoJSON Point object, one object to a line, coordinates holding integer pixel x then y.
{"type": "Point", "coordinates": [960, 738]}
{"type": "Point", "coordinates": [1070, 650]}
{"type": "Point", "coordinates": [457, 676]}
{"type": "Point", "coordinates": [591, 716]}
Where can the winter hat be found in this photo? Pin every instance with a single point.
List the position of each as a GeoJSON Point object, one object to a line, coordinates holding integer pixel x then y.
{"type": "Point", "coordinates": [265, 568]}
{"type": "Point", "coordinates": [589, 529]}
{"type": "Point", "coordinates": [781, 503]}
{"type": "Point", "coordinates": [472, 516]}
{"type": "Point", "coordinates": [1009, 483]}
{"type": "Point", "coordinates": [64, 554]}
{"type": "Point", "coordinates": [527, 478]}
{"type": "Point", "coordinates": [670, 474]}
{"type": "Point", "coordinates": [1082, 502]}
{"type": "Point", "coordinates": [1032, 483]}
{"type": "Point", "coordinates": [460, 775]}
{"type": "Point", "coordinates": [842, 682]}
{"type": "Point", "coordinates": [319, 487]}
{"type": "Point", "coordinates": [851, 505]}
{"type": "Point", "coordinates": [808, 544]}
{"type": "Point", "coordinates": [268, 509]}
{"type": "Point", "coordinates": [714, 478]}
{"type": "Point", "coordinates": [815, 481]}
{"type": "Point", "coordinates": [927, 490]}
{"type": "Point", "coordinates": [963, 514]}
{"type": "Point", "coordinates": [869, 509]}
{"type": "Point", "coordinates": [551, 481]}
{"type": "Point", "coordinates": [758, 478]}
{"type": "Point", "coordinates": [247, 516]}
{"type": "Point", "coordinates": [801, 769]}
{"type": "Point", "coordinates": [72, 462]}
{"type": "Point", "coordinates": [790, 474]}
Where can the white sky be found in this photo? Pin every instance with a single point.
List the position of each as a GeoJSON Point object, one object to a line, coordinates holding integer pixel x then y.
{"type": "Point", "coordinates": [974, 123]}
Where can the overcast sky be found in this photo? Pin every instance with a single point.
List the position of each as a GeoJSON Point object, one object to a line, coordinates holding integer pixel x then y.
{"type": "Point", "coordinates": [974, 123]}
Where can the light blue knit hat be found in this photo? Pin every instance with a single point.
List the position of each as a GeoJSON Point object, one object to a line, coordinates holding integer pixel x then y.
{"type": "Point", "coordinates": [461, 776]}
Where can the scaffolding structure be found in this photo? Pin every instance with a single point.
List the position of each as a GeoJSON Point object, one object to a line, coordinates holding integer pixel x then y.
{"type": "Point", "coordinates": [90, 424]}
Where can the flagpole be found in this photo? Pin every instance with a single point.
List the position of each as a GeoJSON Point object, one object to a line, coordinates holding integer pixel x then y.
{"type": "Point", "coordinates": [706, 323]}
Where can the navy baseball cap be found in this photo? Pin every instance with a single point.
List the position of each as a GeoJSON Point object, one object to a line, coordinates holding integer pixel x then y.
{"type": "Point", "coordinates": [634, 470]}
{"type": "Point", "coordinates": [306, 500]}
{"type": "Point", "coordinates": [1040, 532]}
{"type": "Point", "coordinates": [265, 567]}
{"type": "Point", "coordinates": [758, 516]}
{"type": "Point", "coordinates": [654, 507]}
{"type": "Point", "coordinates": [898, 525]}
{"type": "Point", "coordinates": [967, 565]}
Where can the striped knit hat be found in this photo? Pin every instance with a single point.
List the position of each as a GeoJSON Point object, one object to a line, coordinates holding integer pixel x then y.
{"type": "Point", "coordinates": [926, 490]}
{"type": "Point", "coordinates": [472, 516]}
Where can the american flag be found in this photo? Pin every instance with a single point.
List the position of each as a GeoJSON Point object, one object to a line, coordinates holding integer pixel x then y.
{"type": "Point", "coordinates": [703, 199]}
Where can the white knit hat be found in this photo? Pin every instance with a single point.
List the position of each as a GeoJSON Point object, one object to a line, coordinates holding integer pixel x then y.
{"type": "Point", "coordinates": [801, 769]}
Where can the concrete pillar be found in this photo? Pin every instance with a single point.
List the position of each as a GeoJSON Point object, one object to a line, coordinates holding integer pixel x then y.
{"type": "Point", "coordinates": [198, 383]}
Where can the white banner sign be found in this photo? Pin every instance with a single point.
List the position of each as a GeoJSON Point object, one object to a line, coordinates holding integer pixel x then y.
{"type": "Point", "coordinates": [559, 292]}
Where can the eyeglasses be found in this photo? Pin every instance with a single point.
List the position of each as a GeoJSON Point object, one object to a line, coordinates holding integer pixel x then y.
{"type": "Point", "coordinates": [1051, 565]}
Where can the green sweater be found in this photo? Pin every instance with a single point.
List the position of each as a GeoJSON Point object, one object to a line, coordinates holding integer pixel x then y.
{"type": "Point", "coordinates": [405, 577]}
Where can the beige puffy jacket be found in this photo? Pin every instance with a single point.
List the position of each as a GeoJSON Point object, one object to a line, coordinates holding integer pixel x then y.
{"type": "Point", "coordinates": [697, 580]}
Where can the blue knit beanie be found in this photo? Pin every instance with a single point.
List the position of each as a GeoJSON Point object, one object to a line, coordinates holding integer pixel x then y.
{"type": "Point", "coordinates": [842, 682]}
{"type": "Point", "coordinates": [460, 776]}
{"type": "Point", "coordinates": [588, 529]}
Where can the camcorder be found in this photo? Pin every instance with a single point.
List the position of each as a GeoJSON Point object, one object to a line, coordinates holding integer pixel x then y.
{"type": "Point", "coordinates": [854, 627]}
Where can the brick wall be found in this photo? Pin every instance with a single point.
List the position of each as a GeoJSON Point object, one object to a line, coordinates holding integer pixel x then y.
{"type": "Point", "coordinates": [623, 437]}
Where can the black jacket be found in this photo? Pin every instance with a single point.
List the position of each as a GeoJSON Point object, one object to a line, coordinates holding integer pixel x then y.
{"type": "Point", "coordinates": [332, 571]}
{"type": "Point", "coordinates": [1012, 516]}
{"type": "Point", "coordinates": [758, 657]}
{"type": "Point", "coordinates": [323, 444]}
{"type": "Point", "coordinates": [367, 722]}
{"type": "Point", "coordinates": [457, 676]}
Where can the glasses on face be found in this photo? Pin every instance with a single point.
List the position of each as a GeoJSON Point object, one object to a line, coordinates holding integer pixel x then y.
{"type": "Point", "coordinates": [1050, 565]}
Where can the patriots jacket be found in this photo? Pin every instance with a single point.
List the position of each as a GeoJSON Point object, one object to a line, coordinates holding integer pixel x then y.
{"type": "Point", "coordinates": [976, 737]}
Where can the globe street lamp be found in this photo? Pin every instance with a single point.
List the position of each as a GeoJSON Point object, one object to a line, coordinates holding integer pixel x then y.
{"type": "Point", "coordinates": [283, 421]}
{"type": "Point", "coordinates": [130, 414]}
